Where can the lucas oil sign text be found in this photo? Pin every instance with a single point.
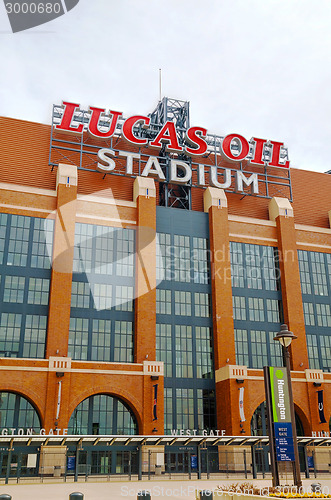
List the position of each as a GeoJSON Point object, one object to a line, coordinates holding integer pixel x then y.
{"type": "Point", "coordinates": [182, 145]}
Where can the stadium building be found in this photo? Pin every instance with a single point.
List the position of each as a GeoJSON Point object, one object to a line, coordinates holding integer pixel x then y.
{"type": "Point", "coordinates": [146, 266]}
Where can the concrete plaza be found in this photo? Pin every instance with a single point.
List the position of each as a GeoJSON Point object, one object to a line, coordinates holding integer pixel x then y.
{"type": "Point", "coordinates": [119, 490]}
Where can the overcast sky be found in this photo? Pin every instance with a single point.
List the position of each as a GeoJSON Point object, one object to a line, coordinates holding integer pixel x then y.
{"type": "Point", "coordinates": [255, 67]}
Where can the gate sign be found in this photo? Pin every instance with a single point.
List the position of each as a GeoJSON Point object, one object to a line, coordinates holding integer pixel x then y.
{"type": "Point", "coordinates": [281, 414]}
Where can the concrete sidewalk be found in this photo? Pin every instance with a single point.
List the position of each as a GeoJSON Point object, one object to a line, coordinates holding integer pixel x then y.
{"type": "Point", "coordinates": [172, 490]}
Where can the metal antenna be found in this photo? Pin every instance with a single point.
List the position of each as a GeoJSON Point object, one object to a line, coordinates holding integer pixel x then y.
{"type": "Point", "coordinates": [160, 81]}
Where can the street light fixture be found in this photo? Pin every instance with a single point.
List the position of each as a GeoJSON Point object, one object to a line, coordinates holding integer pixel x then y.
{"type": "Point", "coordinates": [285, 337]}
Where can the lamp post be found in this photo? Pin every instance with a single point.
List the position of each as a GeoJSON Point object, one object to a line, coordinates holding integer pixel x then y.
{"type": "Point", "coordinates": [285, 337]}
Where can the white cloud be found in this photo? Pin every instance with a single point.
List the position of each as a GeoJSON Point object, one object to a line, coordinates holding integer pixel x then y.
{"type": "Point", "coordinates": [252, 67]}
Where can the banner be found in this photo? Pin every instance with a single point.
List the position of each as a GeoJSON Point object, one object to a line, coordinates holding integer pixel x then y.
{"type": "Point", "coordinates": [279, 395]}
{"type": "Point", "coordinates": [155, 402]}
{"type": "Point", "coordinates": [241, 404]}
{"type": "Point", "coordinates": [321, 407]}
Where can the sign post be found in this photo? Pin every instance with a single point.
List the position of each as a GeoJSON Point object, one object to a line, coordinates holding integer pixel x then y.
{"type": "Point", "coordinates": [282, 431]}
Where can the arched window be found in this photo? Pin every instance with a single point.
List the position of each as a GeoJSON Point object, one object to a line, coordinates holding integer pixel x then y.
{"type": "Point", "coordinates": [259, 422]}
{"type": "Point", "coordinates": [17, 413]}
{"type": "Point", "coordinates": [102, 414]}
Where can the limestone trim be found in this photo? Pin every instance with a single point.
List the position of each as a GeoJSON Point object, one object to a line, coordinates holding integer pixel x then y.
{"type": "Point", "coordinates": [251, 220]}
{"type": "Point", "coordinates": [280, 206]}
{"type": "Point", "coordinates": [57, 364]}
{"type": "Point", "coordinates": [155, 368]}
{"type": "Point", "coordinates": [314, 376]}
{"type": "Point", "coordinates": [105, 219]}
{"type": "Point", "coordinates": [105, 201]}
{"type": "Point", "coordinates": [254, 238]}
{"type": "Point", "coordinates": [312, 229]}
{"type": "Point", "coordinates": [231, 372]}
{"type": "Point", "coordinates": [143, 186]}
{"type": "Point", "coordinates": [27, 189]}
{"type": "Point", "coordinates": [28, 209]}
{"type": "Point", "coordinates": [313, 245]}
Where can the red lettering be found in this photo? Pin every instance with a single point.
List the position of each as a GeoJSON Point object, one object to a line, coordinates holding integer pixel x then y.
{"type": "Point", "coordinates": [257, 160]}
{"type": "Point", "coordinates": [276, 155]}
{"type": "Point", "coordinates": [193, 135]}
{"type": "Point", "coordinates": [94, 121]}
{"type": "Point", "coordinates": [243, 146]}
{"type": "Point", "coordinates": [67, 119]}
{"type": "Point", "coordinates": [127, 129]}
{"type": "Point", "coordinates": [167, 134]}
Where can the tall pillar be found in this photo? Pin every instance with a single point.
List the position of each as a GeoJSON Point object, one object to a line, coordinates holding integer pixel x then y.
{"type": "Point", "coordinates": [60, 295]}
{"type": "Point", "coordinates": [63, 254]}
{"type": "Point", "coordinates": [281, 211]}
{"type": "Point", "coordinates": [144, 194]}
{"type": "Point", "coordinates": [215, 203]}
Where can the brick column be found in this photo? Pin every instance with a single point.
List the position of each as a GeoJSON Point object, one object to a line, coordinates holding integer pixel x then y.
{"type": "Point", "coordinates": [60, 292]}
{"type": "Point", "coordinates": [281, 211]}
{"type": "Point", "coordinates": [63, 253]}
{"type": "Point", "coordinates": [144, 194]}
{"type": "Point", "coordinates": [215, 203]}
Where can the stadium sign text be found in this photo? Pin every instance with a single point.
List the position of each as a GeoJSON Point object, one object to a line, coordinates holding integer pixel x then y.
{"type": "Point", "coordinates": [139, 132]}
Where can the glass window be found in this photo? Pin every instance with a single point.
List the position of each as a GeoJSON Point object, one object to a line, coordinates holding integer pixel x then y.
{"type": "Point", "coordinates": [10, 333]}
{"type": "Point", "coordinates": [259, 348]}
{"type": "Point", "coordinates": [308, 309]}
{"type": "Point", "coordinates": [164, 347]}
{"type": "Point", "coordinates": [184, 351]}
{"type": "Point", "coordinates": [78, 338]}
{"type": "Point", "coordinates": [323, 314]}
{"type": "Point", "coordinates": [163, 301]}
{"type": "Point", "coordinates": [163, 257]}
{"type": "Point", "coordinates": [185, 408]}
{"type": "Point", "coordinates": [102, 414]}
{"type": "Point", "coordinates": [104, 250]}
{"type": "Point", "coordinates": [204, 350]}
{"type": "Point", "coordinates": [124, 298]}
{"type": "Point", "coordinates": [182, 258]}
{"type": "Point", "coordinates": [314, 362]}
{"type": "Point", "coordinates": [253, 266]}
{"type": "Point", "coordinates": [3, 230]}
{"type": "Point", "coordinates": [318, 273]}
{"type": "Point", "coordinates": [42, 239]}
{"type": "Point", "coordinates": [83, 248]}
{"type": "Point", "coordinates": [237, 265]}
{"type": "Point", "coordinates": [18, 241]}
{"type": "Point", "coordinates": [276, 357]}
{"type": "Point", "coordinates": [123, 350]}
{"type": "Point", "coordinates": [273, 311]}
{"type": "Point", "coordinates": [14, 289]}
{"type": "Point", "coordinates": [206, 409]}
{"type": "Point", "coordinates": [38, 292]}
{"type": "Point", "coordinates": [183, 303]}
{"type": "Point", "coordinates": [102, 296]}
{"type": "Point", "coordinates": [125, 252]}
{"type": "Point", "coordinates": [256, 309]}
{"type": "Point", "coordinates": [35, 336]}
{"type": "Point", "coordinates": [18, 413]}
{"type": "Point", "coordinates": [239, 308]}
{"type": "Point", "coordinates": [202, 305]}
{"type": "Point", "coordinates": [241, 341]}
{"type": "Point", "coordinates": [325, 341]}
{"type": "Point", "coordinates": [100, 343]}
{"type": "Point", "coordinates": [80, 294]}
{"type": "Point", "coordinates": [304, 272]}
{"type": "Point", "coordinates": [200, 261]}
{"type": "Point", "coordinates": [168, 410]}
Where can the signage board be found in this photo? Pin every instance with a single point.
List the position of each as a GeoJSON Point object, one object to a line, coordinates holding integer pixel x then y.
{"type": "Point", "coordinates": [170, 150]}
{"type": "Point", "coordinates": [281, 413]}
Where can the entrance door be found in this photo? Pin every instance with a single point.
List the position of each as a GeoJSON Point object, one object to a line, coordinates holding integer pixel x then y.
{"type": "Point", "coordinates": [177, 461]}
